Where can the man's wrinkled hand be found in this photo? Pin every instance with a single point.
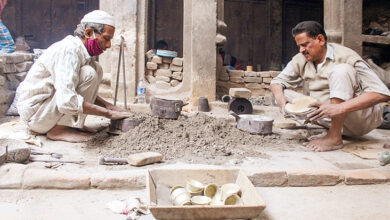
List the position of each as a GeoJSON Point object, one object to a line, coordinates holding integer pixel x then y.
{"type": "Point", "coordinates": [325, 110]}
{"type": "Point", "coordinates": [115, 115]}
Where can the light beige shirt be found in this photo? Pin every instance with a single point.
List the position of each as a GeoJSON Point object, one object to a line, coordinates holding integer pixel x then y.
{"type": "Point", "coordinates": [368, 80]}
{"type": "Point", "coordinates": [55, 72]}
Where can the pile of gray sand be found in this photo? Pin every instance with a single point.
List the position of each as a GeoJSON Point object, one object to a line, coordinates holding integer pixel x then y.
{"type": "Point", "coordinates": [198, 136]}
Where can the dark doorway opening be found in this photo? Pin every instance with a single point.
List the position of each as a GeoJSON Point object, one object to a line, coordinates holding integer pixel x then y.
{"type": "Point", "coordinates": [165, 22]}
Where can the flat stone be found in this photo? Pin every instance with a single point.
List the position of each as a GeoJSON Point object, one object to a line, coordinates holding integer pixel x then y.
{"type": "Point", "coordinates": [163, 72]}
{"type": "Point", "coordinates": [28, 57]}
{"type": "Point", "coordinates": [267, 80]}
{"type": "Point", "coordinates": [52, 179]}
{"type": "Point", "coordinates": [150, 54]}
{"type": "Point", "coordinates": [284, 124]}
{"type": "Point", "coordinates": [274, 73]}
{"type": "Point", "coordinates": [236, 79]}
{"type": "Point", "coordinates": [130, 180]}
{"type": "Point", "coordinates": [264, 74]}
{"type": "Point", "coordinates": [175, 68]}
{"type": "Point", "coordinates": [23, 67]}
{"type": "Point", "coordinates": [163, 85]}
{"type": "Point", "coordinates": [2, 80]}
{"type": "Point", "coordinates": [240, 93]}
{"type": "Point", "coordinates": [20, 76]}
{"type": "Point", "coordinates": [9, 68]}
{"type": "Point", "coordinates": [11, 175]}
{"type": "Point", "coordinates": [14, 58]}
{"type": "Point", "coordinates": [145, 158]}
{"type": "Point", "coordinates": [177, 75]}
{"type": "Point", "coordinates": [362, 177]}
{"type": "Point", "coordinates": [236, 73]}
{"type": "Point", "coordinates": [163, 79]}
{"type": "Point", "coordinates": [250, 74]}
{"type": "Point", "coordinates": [167, 60]}
{"type": "Point", "coordinates": [163, 66]}
{"type": "Point", "coordinates": [313, 178]}
{"type": "Point", "coordinates": [157, 59]}
{"type": "Point", "coordinates": [253, 79]}
{"type": "Point", "coordinates": [177, 61]}
{"type": "Point", "coordinates": [253, 86]}
{"type": "Point", "coordinates": [151, 79]}
{"type": "Point", "coordinates": [268, 178]}
{"type": "Point", "coordinates": [151, 66]}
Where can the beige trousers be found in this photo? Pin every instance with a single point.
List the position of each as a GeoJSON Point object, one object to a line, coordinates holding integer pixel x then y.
{"type": "Point", "coordinates": [48, 115]}
{"type": "Point", "coordinates": [343, 84]}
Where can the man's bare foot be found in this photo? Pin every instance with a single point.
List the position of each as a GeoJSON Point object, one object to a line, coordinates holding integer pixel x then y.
{"type": "Point", "coordinates": [317, 136]}
{"type": "Point", "coordinates": [326, 143]}
{"type": "Point", "coordinates": [62, 133]}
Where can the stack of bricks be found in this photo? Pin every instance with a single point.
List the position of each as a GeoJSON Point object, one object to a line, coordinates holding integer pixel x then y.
{"type": "Point", "coordinates": [164, 72]}
{"type": "Point", "coordinates": [13, 70]}
{"type": "Point", "coordinates": [257, 82]}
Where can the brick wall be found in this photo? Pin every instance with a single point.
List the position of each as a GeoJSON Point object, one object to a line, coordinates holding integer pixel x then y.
{"type": "Point", "coordinates": [13, 70]}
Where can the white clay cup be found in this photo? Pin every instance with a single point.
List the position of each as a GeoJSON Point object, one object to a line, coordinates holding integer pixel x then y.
{"type": "Point", "coordinates": [230, 188]}
{"type": "Point", "coordinates": [200, 200]}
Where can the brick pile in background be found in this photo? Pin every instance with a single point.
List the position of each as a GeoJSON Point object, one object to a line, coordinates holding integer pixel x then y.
{"type": "Point", "coordinates": [13, 70]}
{"type": "Point", "coordinates": [164, 72]}
{"type": "Point", "coordinates": [257, 82]}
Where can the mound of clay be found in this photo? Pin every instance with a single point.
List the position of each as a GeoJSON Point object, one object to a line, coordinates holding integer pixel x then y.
{"type": "Point", "coordinates": [189, 138]}
{"type": "Point", "coordinates": [300, 105]}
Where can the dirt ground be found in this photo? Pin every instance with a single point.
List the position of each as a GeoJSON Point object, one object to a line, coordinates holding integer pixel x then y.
{"type": "Point", "coordinates": [196, 138]}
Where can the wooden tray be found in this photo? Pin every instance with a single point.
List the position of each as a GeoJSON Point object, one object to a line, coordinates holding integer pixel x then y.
{"type": "Point", "coordinates": [159, 182]}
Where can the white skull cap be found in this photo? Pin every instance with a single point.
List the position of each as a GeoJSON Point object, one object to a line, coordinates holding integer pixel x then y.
{"type": "Point", "coordinates": [100, 17]}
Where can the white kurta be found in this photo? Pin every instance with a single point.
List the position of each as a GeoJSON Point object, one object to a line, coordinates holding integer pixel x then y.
{"type": "Point", "coordinates": [57, 85]}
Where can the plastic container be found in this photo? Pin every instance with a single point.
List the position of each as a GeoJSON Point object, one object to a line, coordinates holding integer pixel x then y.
{"type": "Point", "coordinates": [141, 92]}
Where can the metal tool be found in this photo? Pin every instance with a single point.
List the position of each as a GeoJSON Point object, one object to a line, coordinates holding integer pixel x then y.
{"type": "Point", "coordinates": [112, 161]}
{"type": "Point", "coordinates": [57, 161]}
{"type": "Point", "coordinates": [52, 154]}
{"type": "Point", "coordinates": [121, 53]}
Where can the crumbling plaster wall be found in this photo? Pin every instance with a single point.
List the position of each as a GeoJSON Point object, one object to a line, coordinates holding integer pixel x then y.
{"type": "Point", "coordinates": [125, 14]}
{"type": "Point", "coordinates": [199, 50]}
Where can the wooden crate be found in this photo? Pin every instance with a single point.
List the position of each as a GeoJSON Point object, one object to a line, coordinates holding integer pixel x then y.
{"type": "Point", "coordinates": [159, 182]}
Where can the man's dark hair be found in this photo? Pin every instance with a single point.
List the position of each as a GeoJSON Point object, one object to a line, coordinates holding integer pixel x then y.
{"type": "Point", "coordinates": [311, 28]}
{"type": "Point", "coordinates": [161, 44]}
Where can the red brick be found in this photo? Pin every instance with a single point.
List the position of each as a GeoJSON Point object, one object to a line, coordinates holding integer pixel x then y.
{"type": "Point", "coordinates": [313, 178]}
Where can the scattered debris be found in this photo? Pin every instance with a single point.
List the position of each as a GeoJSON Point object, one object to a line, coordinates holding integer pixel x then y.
{"type": "Point", "coordinates": [133, 208]}
{"type": "Point", "coordinates": [384, 158]}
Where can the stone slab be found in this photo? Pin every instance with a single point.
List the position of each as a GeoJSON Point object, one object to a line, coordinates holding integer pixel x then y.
{"type": "Point", "coordinates": [163, 72]}
{"type": "Point", "coordinates": [151, 66]}
{"type": "Point", "coordinates": [240, 93]}
{"type": "Point", "coordinates": [236, 79]}
{"type": "Point", "coordinates": [52, 179]}
{"type": "Point", "coordinates": [267, 80]}
{"type": "Point", "coordinates": [313, 178]}
{"type": "Point", "coordinates": [264, 74]}
{"type": "Point", "coordinates": [157, 59]}
{"type": "Point", "coordinates": [250, 74]}
{"type": "Point", "coordinates": [177, 75]}
{"type": "Point", "coordinates": [162, 79]}
{"type": "Point", "coordinates": [362, 177]}
{"type": "Point", "coordinates": [236, 73]}
{"type": "Point", "coordinates": [177, 61]}
{"type": "Point", "coordinates": [174, 83]}
{"type": "Point", "coordinates": [23, 67]}
{"type": "Point", "coordinates": [144, 158]}
{"type": "Point", "coordinates": [253, 79]}
{"type": "Point", "coordinates": [175, 68]}
{"type": "Point", "coordinates": [11, 175]}
{"type": "Point", "coordinates": [119, 180]}
{"type": "Point", "coordinates": [267, 178]}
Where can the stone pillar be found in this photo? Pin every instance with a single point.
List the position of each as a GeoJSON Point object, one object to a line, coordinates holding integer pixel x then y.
{"type": "Point", "coordinates": [275, 34]}
{"type": "Point", "coordinates": [343, 22]}
{"type": "Point", "coordinates": [199, 47]}
{"type": "Point", "coordinates": [125, 14]}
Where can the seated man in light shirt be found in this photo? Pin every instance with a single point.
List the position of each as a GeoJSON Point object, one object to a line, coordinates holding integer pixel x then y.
{"type": "Point", "coordinates": [60, 89]}
{"type": "Point", "coordinates": [347, 89]}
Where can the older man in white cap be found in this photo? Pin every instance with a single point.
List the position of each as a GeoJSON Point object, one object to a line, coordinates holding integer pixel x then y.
{"type": "Point", "coordinates": [60, 89]}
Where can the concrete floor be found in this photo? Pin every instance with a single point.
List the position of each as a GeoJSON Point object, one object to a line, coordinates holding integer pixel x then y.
{"type": "Point", "coordinates": [337, 202]}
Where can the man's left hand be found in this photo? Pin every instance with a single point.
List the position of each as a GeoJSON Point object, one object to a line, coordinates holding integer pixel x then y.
{"type": "Point", "coordinates": [325, 110]}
